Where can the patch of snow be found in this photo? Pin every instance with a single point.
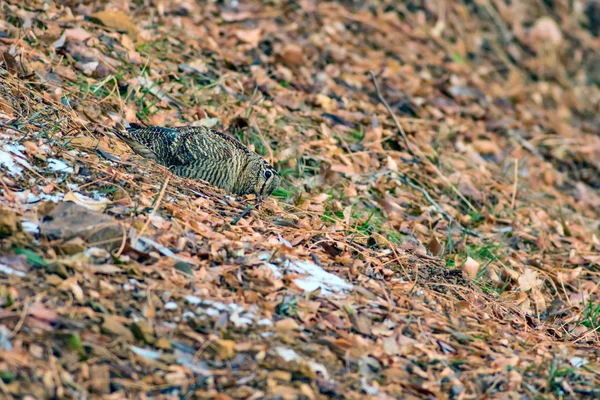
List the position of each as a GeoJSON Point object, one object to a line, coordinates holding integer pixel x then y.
{"type": "Point", "coordinates": [5, 336]}
{"type": "Point", "coordinates": [7, 161]}
{"type": "Point", "coordinates": [287, 354]}
{"type": "Point", "coordinates": [275, 270]}
{"type": "Point", "coordinates": [367, 388]}
{"type": "Point", "coordinates": [171, 306]}
{"type": "Point", "coordinates": [265, 322]}
{"type": "Point", "coordinates": [193, 300]}
{"type": "Point", "coordinates": [238, 314]}
{"type": "Point", "coordinates": [189, 360]}
{"type": "Point", "coordinates": [15, 148]}
{"type": "Point", "coordinates": [31, 227]}
{"type": "Point", "coordinates": [319, 368]}
{"type": "Point", "coordinates": [55, 198]}
{"type": "Point", "coordinates": [20, 158]}
{"type": "Point", "coordinates": [187, 315]}
{"type": "Point", "coordinates": [211, 312]}
{"type": "Point", "coordinates": [240, 321]}
{"type": "Point", "coordinates": [27, 197]}
{"type": "Point", "coordinates": [59, 166]}
{"type": "Point", "coordinates": [283, 241]}
{"type": "Point", "coordinates": [578, 362]}
{"type": "Point", "coordinates": [5, 269]}
{"type": "Point", "coordinates": [148, 354]}
{"type": "Point", "coordinates": [317, 277]}
{"type": "Point", "coordinates": [236, 307]}
{"type": "Point", "coordinates": [72, 186]}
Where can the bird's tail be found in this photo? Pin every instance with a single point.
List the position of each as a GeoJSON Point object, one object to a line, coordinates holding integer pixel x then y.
{"type": "Point", "coordinates": [127, 132]}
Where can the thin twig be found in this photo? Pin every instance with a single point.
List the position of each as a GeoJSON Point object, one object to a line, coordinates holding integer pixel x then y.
{"type": "Point", "coordinates": [263, 140]}
{"type": "Point", "coordinates": [419, 154]}
{"type": "Point", "coordinates": [251, 105]}
{"type": "Point", "coordinates": [450, 219]}
{"type": "Point", "coordinates": [160, 196]}
{"type": "Point", "coordinates": [21, 319]}
{"type": "Point", "coordinates": [243, 214]}
{"type": "Point", "coordinates": [389, 109]}
{"type": "Point", "coordinates": [516, 187]}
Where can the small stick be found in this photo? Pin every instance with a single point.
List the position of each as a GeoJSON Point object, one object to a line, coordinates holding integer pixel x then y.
{"type": "Point", "coordinates": [160, 196]}
{"type": "Point", "coordinates": [436, 205]}
{"type": "Point", "coordinates": [249, 109]}
{"type": "Point", "coordinates": [389, 110]}
{"type": "Point", "coordinates": [243, 214]}
{"type": "Point", "coordinates": [514, 196]}
{"type": "Point", "coordinates": [420, 155]}
{"type": "Point", "coordinates": [22, 319]}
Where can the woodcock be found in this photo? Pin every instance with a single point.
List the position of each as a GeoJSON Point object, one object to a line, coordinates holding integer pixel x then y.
{"type": "Point", "coordinates": [199, 153]}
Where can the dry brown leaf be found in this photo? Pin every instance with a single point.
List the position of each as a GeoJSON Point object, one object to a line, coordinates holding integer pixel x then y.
{"type": "Point", "coordinates": [545, 34]}
{"type": "Point", "coordinates": [434, 247]}
{"type": "Point", "coordinates": [470, 268]}
{"type": "Point", "coordinates": [72, 286]}
{"type": "Point", "coordinates": [117, 20]}
{"type": "Point", "coordinates": [77, 34]}
{"type": "Point", "coordinates": [96, 205]}
{"type": "Point", "coordinates": [113, 324]}
{"type": "Point", "coordinates": [251, 36]}
{"type": "Point", "coordinates": [292, 55]}
{"type": "Point", "coordinates": [529, 280]}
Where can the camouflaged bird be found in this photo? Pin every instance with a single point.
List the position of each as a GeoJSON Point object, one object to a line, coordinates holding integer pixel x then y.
{"type": "Point", "coordinates": [200, 153]}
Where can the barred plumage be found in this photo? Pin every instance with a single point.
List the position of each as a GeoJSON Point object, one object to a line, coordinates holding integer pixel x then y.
{"type": "Point", "coordinates": [200, 153]}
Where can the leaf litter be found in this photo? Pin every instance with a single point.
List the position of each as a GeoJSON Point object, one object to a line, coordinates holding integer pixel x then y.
{"type": "Point", "coordinates": [436, 235]}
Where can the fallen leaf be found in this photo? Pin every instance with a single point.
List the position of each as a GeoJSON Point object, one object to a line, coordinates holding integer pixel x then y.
{"type": "Point", "coordinates": [287, 325]}
{"type": "Point", "coordinates": [470, 268]}
{"type": "Point", "coordinates": [529, 280]}
{"type": "Point", "coordinates": [224, 349]}
{"type": "Point", "coordinates": [251, 36]}
{"type": "Point", "coordinates": [545, 34]}
{"type": "Point", "coordinates": [292, 55]}
{"type": "Point", "coordinates": [117, 20]}
{"type": "Point", "coordinates": [113, 325]}
{"type": "Point", "coordinates": [77, 34]}
{"type": "Point", "coordinates": [434, 247]}
{"type": "Point", "coordinates": [71, 285]}
{"type": "Point", "coordinates": [77, 198]}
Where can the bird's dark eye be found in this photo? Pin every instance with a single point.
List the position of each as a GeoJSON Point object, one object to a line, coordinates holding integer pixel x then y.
{"type": "Point", "coordinates": [268, 174]}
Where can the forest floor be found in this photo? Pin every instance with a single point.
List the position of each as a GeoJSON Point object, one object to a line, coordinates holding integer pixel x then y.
{"type": "Point", "coordinates": [459, 261]}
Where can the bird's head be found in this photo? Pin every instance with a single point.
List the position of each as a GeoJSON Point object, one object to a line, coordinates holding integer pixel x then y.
{"type": "Point", "coordinates": [267, 180]}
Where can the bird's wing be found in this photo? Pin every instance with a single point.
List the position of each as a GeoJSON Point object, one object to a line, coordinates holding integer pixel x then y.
{"type": "Point", "coordinates": [199, 143]}
{"type": "Point", "coordinates": [151, 142]}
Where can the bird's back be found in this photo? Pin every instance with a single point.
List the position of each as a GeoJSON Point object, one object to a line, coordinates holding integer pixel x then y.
{"type": "Point", "coordinates": [191, 151]}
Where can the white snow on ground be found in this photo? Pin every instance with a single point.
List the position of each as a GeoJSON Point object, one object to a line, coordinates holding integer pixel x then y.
{"type": "Point", "coordinates": [316, 277]}
{"type": "Point", "coordinates": [238, 314]}
{"type": "Point", "coordinates": [289, 355]}
{"type": "Point", "coordinates": [5, 269]}
{"type": "Point", "coordinates": [59, 166]}
{"type": "Point", "coordinates": [10, 156]}
{"type": "Point", "coordinates": [7, 161]}
{"type": "Point", "coordinates": [30, 226]}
